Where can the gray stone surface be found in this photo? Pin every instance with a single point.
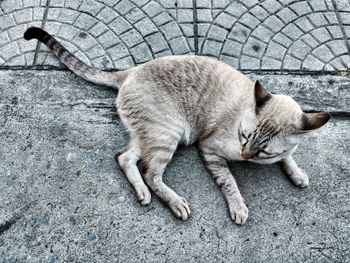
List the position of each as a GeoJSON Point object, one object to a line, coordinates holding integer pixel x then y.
{"type": "Point", "coordinates": [269, 34]}
{"type": "Point", "coordinates": [62, 198]}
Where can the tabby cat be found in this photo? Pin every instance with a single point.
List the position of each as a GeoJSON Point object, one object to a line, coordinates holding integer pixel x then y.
{"type": "Point", "coordinates": [185, 99]}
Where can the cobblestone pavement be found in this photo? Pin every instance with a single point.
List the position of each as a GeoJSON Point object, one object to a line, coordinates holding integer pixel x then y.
{"type": "Point", "coordinates": [310, 35]}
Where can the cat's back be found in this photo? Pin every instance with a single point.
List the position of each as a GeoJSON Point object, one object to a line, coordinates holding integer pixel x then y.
{"type": "Point", "coordinates": [184, 69]}
{"type": "Point", "coordinates": [186, 82]}
{"type": "Point", "coordinates": [186, 74]}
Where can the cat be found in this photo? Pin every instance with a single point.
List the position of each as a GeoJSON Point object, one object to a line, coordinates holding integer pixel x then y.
{"type": "Point", "coordinates": [196, 99]}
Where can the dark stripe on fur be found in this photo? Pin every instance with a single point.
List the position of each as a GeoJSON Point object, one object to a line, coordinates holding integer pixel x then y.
{"type": "Point", "coordinates": [73, 63]}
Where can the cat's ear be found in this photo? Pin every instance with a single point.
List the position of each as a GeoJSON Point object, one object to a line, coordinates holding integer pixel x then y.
{"type": "Point", "coordinates": [261, 95]}
{"type": "Point", "coordinates": [312, 121]}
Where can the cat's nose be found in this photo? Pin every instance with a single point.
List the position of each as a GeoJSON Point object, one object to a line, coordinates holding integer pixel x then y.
{"type": "Point", "coordinates": [245, 153]}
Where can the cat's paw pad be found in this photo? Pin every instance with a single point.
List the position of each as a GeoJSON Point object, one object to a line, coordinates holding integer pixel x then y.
{"type": "Point", "coordinates": [239, 213]}
{"type": "Point", "coordinates": [142, 194]}
{"type": "Point", "coordinates": [300, 178]}
{"type": "Point", "coordinates": [180, 208]}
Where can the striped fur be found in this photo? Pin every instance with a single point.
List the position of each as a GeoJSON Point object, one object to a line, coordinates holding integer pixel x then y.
{"type": "Point", "coordinates": [110, 79]}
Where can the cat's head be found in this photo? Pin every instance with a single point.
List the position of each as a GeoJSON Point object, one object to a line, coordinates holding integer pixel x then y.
{"type": "Point", "coordinates": [277, 127]}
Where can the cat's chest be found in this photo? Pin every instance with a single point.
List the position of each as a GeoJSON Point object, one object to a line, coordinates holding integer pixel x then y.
{"type": "Point", "coordinates": [230, 148]}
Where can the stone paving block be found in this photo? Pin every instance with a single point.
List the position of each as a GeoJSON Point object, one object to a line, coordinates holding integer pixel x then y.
{"type": "Point", "coordinates": [31, 3]}
{"type": "Point", "coordinates": [185, 16]}
{"type": "Point", "coordinates": [323, 52]}
{"type": "Point", "coordinates": [211, 48]}
{"type": "Point", "coordinates": [275, 50]}
{"type": "Point", "coordinates": [119, 25]}
{"type": "Point", "coordinates": [337, 47]}
{"type": "Point", "coordinates": [98, 29]}
{"type": "Point", "coordinates": [4, 38]}
{"type": "Point", "coordinates": [7, 21]}
{"type": "Point", "coordinates": [230, 60]}
{"type": "Point", "coordinates": [123, 6]}
{"type": "Point", "coordinates": [225, 20]}
{"type": "Point", "coordinates": [23, 16]}
{"type": "Point", "coordinates": [74, 4]}
{"type": "Point", "coordinates": [274, 23]}
{"type": "Point", "coordinates": [262, 33]}
{"type": "Point", "coordinates": [118, 51]}
{"type": "Point", "coordinates": [84, 41]}
{"type": "Point", "coordinates": [254, 48]}
{"type": "Point", "coordinates": [299, 49]}
{"type": "Point", "coordinates": [184, 3]}
{"type": "Point", "coordinates": [91, 7]}
{"type": "Point", "coordinates": [124, 63]}
{"type": "Point", "coordinates": [321, 34]}
{"type": "Point", "coordinates": [170, 30]}
{"type": "Point", "coordinates": [301, 8]}
{"type": "Point", "coordinates": [131, 38]}
{"type": "Point", "coordinates": [217, 33]}
{"type": "Point", "coordinates": [249, 62]}
{"type": "Point", "coordinates": [232, 48]}
{"type": "Point", "coordinates": [95, 52]}
{"type": "Point", "coordinates": [85, 22]}
{"type": "Point", "coordinates": [286, 15]}
{"type": "Point", "coordinates": [152, 9]}
{"type": "Point", "coordinates": [304, 24]}
{"type": "Point", "coordinates": [38, 13]}
{"type": "Point", "coordinates": [108, 39]}
{"type": "Point", "coordinates": [259, 12]}
{"type": "Point", "coordinates": [270, 63]}
{"type": "Point", "coordinates": [178, 45]}
{"type": "Point", "coordinates": [157, 42]}
{"type": "Point", "coordinates": [312, 62]}
{"type": "Point", "coordinates": [236, 9]}
{"type": "Point", "coordinates": [146, 27]}
{"type": "Point", "coordinates": [141, 53]}
{"type": "Point", "coordinates": [204, 15]}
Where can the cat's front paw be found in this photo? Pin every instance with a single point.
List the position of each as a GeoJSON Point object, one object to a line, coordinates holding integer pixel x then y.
{"type": "Point", "coordinates": [299, 178]}
{"type": "Point", "coordinates": [238, 213]}
{"type": "Point", "coordinates": [142, 194]}
{"type": "Point", "coordinates": [180, 208]}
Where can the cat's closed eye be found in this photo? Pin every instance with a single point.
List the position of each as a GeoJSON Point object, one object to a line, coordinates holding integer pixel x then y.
{"type": "Point", "coordinates": [243, 138]}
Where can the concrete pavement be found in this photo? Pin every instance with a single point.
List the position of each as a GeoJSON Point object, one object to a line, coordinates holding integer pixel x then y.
{"type": "Point", "coordinates": [64, 199]}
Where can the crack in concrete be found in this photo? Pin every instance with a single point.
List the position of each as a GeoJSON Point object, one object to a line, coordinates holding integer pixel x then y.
{"type": "Point", "coordinates": [9, 223]}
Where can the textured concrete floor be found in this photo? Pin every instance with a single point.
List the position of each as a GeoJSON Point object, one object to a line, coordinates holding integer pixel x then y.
{"type": "Point", "coordinates": [62, 198]}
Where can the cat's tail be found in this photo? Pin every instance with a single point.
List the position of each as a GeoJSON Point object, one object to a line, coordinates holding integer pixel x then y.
{"type": "Point", "coordinates": [111, 79]}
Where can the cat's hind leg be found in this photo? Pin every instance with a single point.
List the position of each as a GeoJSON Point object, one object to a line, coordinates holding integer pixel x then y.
{"type": "Point", "coordinates": [156, 154]}
{"type": "Point", "coordinates": [128, 163]}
